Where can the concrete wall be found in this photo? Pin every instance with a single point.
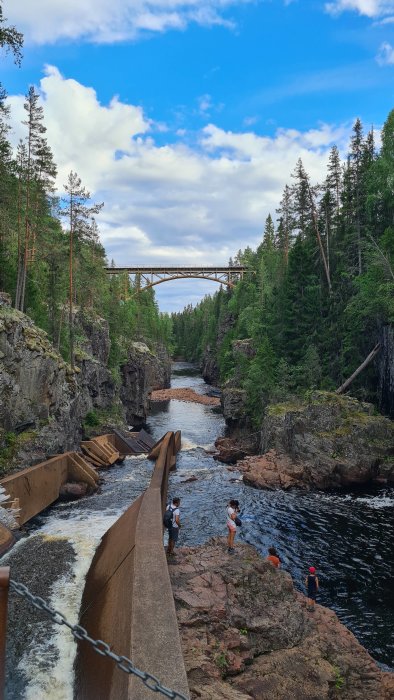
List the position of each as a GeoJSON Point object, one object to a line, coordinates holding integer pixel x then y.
{"type": "Point", "coordinates": [37, 487]}
{"type": "Point", "coordinates": [128, 601]}
{"type": "Point", "coordinates": [106, 609]}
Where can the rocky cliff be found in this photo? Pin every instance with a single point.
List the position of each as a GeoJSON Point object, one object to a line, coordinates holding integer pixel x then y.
{"type": "Point", "coordinates": [386, 370]}
{"type": "Point", "coordinates": [43, 401]}
{"type": "Point", "coordinates": [209, 367]}
{"type": "Point", "coordinates": [247, 634]}
{"type": "Point", "coordinates": [143, 372]}
{"type": "Point", "coordinates": [329, 441]}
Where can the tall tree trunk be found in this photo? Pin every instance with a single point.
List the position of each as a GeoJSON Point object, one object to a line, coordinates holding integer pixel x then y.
{"type": "Point", "coordinates": [70, 316]}
{"type": "Point", "coordinates": [318, 236]}
{"type": "Point", "coordinates": [359, 369]}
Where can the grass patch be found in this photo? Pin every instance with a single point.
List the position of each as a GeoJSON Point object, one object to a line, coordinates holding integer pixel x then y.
{"type": "Point", "coordinates": [10, 444]}
{"type": "Point", "coordinates": [280, 409]}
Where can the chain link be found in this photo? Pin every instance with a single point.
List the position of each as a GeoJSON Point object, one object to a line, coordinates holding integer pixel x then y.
{"type": "Point", "coordinates": [98, 645]}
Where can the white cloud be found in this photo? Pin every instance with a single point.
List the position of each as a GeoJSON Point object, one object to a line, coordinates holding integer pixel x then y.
{"type": "Point", "coordinates": [385, 55]}
{"type": "Point", "coordinates": [179, 203]}
{"type": "Point", "coordinates": [205, 104]}
{"type": "Point", "coordinates": [48, 21]}
{"type": "Point", "coordinates": [368, 8]}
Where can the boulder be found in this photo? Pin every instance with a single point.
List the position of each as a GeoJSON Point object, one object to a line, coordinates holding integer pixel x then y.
{"type": "Point", "coordinates": [229, 451]}
{"type": "Point", "coordinates": [327, 442]}
{"type": "Point", "coordinates": [72, 491]}
{"type": "Point", "coordinates": [247, 634]}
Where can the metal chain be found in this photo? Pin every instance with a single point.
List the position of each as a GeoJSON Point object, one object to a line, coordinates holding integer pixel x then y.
{"type": "Point", "coordinates": [98, 645]}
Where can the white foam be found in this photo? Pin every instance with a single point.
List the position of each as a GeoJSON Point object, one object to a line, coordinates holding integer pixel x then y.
{"type": "Point", "coordinates": [188, 445]}
{"type": "Point", "coordinates": [56, 682]}
{"type": "Point", "coordinates": [376, 502]}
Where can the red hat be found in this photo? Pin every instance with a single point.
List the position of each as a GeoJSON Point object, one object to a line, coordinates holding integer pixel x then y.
{"type": "Point", "coordinates": [312, 569]}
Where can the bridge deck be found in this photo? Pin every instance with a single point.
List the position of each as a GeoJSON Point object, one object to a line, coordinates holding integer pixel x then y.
{"type": "Point", "coordinates": [179, 268]}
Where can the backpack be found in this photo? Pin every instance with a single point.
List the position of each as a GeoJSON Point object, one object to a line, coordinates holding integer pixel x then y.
{"type": "Point", "coordinates": [168, 517]}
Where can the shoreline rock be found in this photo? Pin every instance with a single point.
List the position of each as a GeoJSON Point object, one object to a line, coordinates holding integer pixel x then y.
{"type": "Point", "coordinates": [246, 634]}
{"type": "Point", "coordinates": [328, 442]}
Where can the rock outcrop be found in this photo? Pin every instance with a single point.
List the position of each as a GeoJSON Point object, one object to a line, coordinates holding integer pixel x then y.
{"type": "Point", "coordinates": [247, 634]}
{"type": "Point", "coordinates": [43, 401]}
{"type": "Point", "coordinates": [38, 390]}
{"type": "Point", "coordinates": [229, 451]}
{"type": "Point", "coordinates": [386, 370]}
{"type": "Point", "coordinates": [143, 372]}
{"type": "Point", "coordinates": [329, 442]}
{"type": "Point", "coordinates": [209, 367]}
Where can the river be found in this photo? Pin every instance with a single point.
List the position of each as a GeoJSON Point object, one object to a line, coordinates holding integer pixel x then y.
{"type": "Point", "coordinates": [347, 536]}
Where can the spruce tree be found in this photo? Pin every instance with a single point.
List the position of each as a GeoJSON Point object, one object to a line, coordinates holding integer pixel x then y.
{"type": "Point", "coordinates": [79, 217]}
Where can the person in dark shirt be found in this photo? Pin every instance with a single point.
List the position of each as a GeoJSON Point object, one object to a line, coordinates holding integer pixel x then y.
{"type": "Point", "coordinates": [312, 587]}
{"type": "Point", "coordinates": [173, 531]}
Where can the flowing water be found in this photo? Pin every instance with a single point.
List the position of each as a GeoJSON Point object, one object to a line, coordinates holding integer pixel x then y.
{"type": "Point", "coordinates": [348, 537]}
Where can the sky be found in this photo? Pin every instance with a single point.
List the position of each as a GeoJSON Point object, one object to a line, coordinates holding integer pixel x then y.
{"type": "Point", "coordinates": [187, 117]}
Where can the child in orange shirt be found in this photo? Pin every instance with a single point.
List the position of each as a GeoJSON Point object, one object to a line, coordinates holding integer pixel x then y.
{"type": "Point", "coordinates": [273, 557]}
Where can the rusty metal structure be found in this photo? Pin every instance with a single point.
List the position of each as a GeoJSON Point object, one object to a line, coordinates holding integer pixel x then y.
{"type": "Point", "coordinates": [150, 276]}
{"type": "Point", "coordinates": [128, 599]}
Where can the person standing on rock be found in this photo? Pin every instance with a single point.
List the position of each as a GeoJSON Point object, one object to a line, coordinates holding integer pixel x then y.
{"type": "Point", "coordinates": [312, 586]}
{"type": "Point", "coordinates": [232, 511]}
{"type": "Point", "coordinates": [173, 530]}
{"type": "Point", "coordinates": [273, 557]}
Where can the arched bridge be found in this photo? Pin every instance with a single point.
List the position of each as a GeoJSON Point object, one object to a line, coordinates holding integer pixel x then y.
{"type": "Point", "coordinates": [148, 277]}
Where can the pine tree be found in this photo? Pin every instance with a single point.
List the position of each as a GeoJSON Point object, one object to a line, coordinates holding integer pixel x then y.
{"type": "Point", "coordinates": [356, 160]}
{"type": "Point", "coordinates": [11, 41]}
{"type": "Point", "coordinates": [79, 216]}
{"type": "Point", "coordinates": [287, 224]}
{"type": "Point", "coordinates": [36, 129]}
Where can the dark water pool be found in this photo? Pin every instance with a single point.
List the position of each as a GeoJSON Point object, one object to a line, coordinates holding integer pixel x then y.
{"type": "Point", "coordinates": [348, 537]}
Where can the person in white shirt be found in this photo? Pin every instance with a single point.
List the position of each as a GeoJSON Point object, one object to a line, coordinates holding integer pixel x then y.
{"type": "Point", "coordinates": [173, 531]}
{"type": "Point", "coordinates": [232, 511]}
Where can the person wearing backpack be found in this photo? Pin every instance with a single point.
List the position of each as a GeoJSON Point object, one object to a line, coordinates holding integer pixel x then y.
{"type": "Point", "coordinates": [171, 521]}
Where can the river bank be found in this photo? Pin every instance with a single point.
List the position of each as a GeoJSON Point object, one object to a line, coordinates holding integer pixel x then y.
{"type": "Point", "coordinates": [184, 394]}
{"type": "Point", "coordinates": [248, 634]}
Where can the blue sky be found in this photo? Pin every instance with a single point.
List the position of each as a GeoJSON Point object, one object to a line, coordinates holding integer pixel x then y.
{"type": "Point", "coordinates": [187, 118]}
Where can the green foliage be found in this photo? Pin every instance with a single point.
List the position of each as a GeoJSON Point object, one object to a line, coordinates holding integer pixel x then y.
{"type": "Point", "coordinates": [91, 419]}
{"type": "Point", "coordinates": [222, 662]}
{"type": "Point", "coordinates": [304, 336]}
{"type": "Point", "coordinates": [339, 679]}
{"type": "Point", "coordinates": [10, 444]}
{"type": "Point", "coordinates": [37, 253]}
